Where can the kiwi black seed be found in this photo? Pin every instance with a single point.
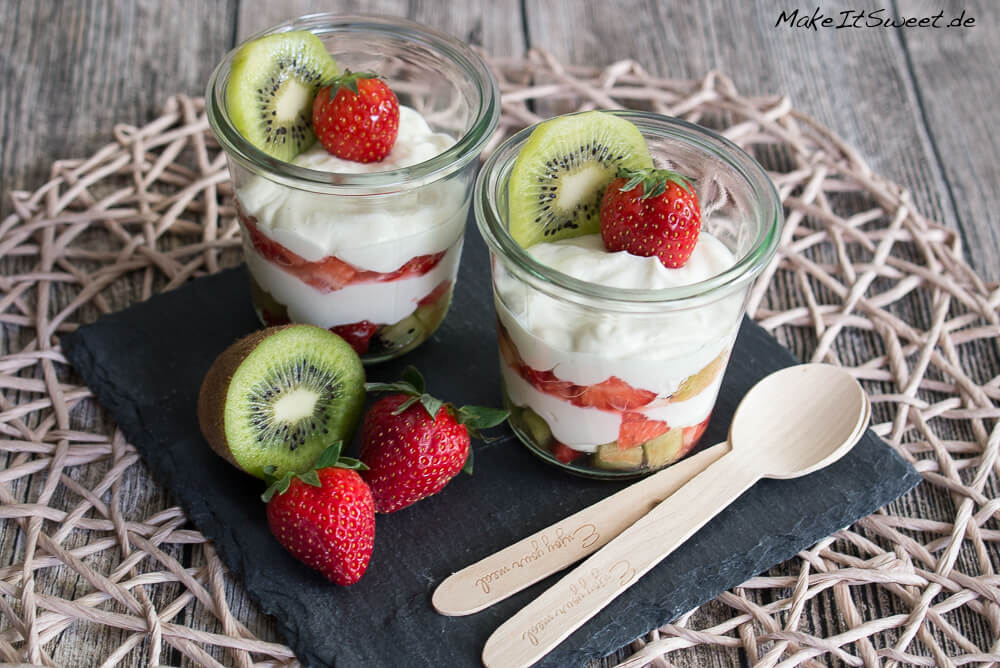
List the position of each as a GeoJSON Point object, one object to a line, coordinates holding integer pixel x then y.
{"type": "Point", "coordinates": [279, 397]}
{"type": "Point", "coordinates": [272, 83]}
{"type": "Point", "coordinates": [560, 174]}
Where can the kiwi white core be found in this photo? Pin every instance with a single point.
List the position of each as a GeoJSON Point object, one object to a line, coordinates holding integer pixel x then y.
{"type": "Point", "coordinates": [295, 405]}
{"type": "Point", "coordinates": [291, 100]}
{"type": "Point", "coordinates": [579, 186]}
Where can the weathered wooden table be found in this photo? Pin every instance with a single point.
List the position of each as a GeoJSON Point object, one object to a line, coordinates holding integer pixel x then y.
{"type": "Point", "coordinates": [920, 104]}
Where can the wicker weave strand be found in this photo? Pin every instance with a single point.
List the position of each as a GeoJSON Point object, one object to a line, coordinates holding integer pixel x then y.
{"type": "Point", "coordinates": [862, 280]}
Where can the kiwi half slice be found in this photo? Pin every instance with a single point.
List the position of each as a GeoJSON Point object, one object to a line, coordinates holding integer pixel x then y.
{"type": "Point", "coordinates": [559, 177]}
{"type": "Point", "coordinates": [279, 397]}
{"type": "Point", "coordinates": [272, 83]}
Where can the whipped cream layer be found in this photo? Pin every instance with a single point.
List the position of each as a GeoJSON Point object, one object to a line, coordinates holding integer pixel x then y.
{"type": "Point", "coordinates": [650, 351]}
{"type": "Point", "coordinates": [382, 303]}
{"type": "Point", "coordinates": [373, 232]}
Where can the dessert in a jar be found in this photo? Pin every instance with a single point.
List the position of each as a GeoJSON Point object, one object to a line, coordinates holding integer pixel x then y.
{"type": "Point", "coordinates": [623, 246]}
{"type": "Point", "coordinates": [352, 144]}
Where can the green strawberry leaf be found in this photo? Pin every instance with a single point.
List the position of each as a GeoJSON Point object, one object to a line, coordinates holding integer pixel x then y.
{"type": "Point", "coordinates": [405, 405]}
{"type": "Point", "coordinates": [348, 80]}
{"type": "Point", "coordinates": [310, 478]}
{"type": "Point", "coordinates": [481, 417]}
{"type": "Point", "coordinates": [654, 181]}
{"type": "Point", "coordinates": [431, 404]}
{"type": "Point", "coordinates": [279, 486]}
{"type": "Point", "coordinates": [467, 467]}
{"type": "Point", "coordinates": [351, 463]}
{"type": "Point", "coordinates": [412, 376]}
{"type": "Point", "coordinates": [329, 456]}
{"type": "Point", "coordinates": [399, 386]}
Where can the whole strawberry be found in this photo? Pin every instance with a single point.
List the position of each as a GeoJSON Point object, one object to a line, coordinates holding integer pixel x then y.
{"type": "Point", "coordinates": [356, 117]}
{"type": "Point", "coordinates": [413, 444]}
{"type": "Point", "coordinates": [651, 212]}
{"type": "Point", "coordinates": [325, 517]}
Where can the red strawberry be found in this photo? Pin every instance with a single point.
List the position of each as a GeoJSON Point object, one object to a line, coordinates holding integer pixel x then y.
{"type": "Point", "coordinates": [325, 517]}
{"type": "Point", "coordinates": [414, 444]}
{"type": "Point", "coordinates": [358, 334]}
{"type": "Point", "coordinates": [635, 429]}
{"type": "Point", "coordinates": [651, 212]}
{"type": "Point", "coordinates": [356, 117]}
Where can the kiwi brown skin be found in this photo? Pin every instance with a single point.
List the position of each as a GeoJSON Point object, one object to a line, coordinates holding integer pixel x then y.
{"type": "Point", "coordinates": [215, 389]}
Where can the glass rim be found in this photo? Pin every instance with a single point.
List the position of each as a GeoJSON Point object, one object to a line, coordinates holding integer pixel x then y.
{"type": "Point", "coordinates": [458, 155]}
{"type": "Point", "coordinates": [560, 285]}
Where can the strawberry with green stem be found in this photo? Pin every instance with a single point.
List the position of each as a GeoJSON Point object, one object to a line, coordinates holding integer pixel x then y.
{"type": "Point", "coordinates": [356, 117]}
{"type": "Point", "coordinates": [325, 517]}
{"type": "Point", "coordinates": [651, 212]}
{"type": "Point", "coordinates": [414, 443]}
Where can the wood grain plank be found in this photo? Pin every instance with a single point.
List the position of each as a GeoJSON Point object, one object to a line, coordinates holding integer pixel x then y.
{"type": "Point", "coordinates": [495, 26]}
{"type": "Point", "coordinates": [957, 75]}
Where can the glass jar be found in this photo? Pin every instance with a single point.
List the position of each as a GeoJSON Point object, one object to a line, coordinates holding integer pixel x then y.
{"type": "Point", "coordinates": [370, 252]}
{"type": "Point", "coordinates": [614, 382]}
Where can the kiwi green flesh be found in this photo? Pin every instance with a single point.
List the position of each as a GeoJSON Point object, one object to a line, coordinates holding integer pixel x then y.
{"type": "Point", "coordinates": [292, 391]}
{"type": "Point", "coordinates": [561, 172]}
{"type": "Point", "coordinates": [418, 325]}
{"type": "Point", "coordinates": [272, 84]}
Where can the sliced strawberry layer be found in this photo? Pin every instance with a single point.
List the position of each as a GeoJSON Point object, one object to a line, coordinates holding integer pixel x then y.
{"type": "Point", "coordinates": [613, 394]}
{"type": "Point", "coordinates": [330, 273]}
{"type": "Point", "coordinates": [635, 429]}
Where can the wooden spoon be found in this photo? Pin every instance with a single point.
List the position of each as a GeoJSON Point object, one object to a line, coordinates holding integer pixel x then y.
{"type": "Point", "coordinates": [793, 422]}
{"type": "Point", "coordinates": [559, 545]}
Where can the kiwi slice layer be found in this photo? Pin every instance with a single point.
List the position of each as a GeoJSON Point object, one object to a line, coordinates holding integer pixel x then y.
{"type": "Point", "coordinates": [559, 177]}
{"type": "Point", "coordinates": [272, 83]}
{"type": "Point", "coordinates": [279, 397]}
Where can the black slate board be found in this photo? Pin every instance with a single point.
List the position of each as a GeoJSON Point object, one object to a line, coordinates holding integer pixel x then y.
{"type": "Point", "coordinates": [145, 365]}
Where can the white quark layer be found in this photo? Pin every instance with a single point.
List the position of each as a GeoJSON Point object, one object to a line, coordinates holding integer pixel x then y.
{"type": "Point", "coordinates": [373, 232]}
{"type": "Point", "coordinates": [585, 428]}
{"type": "Point", "coordinates": [651, 351]}
{"type": "Point", "coordinates": [383, 303]}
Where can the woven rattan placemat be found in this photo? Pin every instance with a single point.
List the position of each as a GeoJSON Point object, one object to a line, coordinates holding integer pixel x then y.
{"type": "Point", "coordinates": [99, 569]}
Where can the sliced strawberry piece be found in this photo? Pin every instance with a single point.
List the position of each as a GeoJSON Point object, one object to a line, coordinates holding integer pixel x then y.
{"type": "Point", "coordinates": [694, 433]}
{"type": "Point", "coordinates": [614, 394]}
{"type": "Point", "coordinates": [436, 294]}
{"type": "Point", "coordinates": [331, 274]}
{"type": "Point", "coordinates": [635, 429]}
{"type": "Point", "coordinates": [564, 453]}
{"type": "Point", "coordinates": [358, 334]}
{"type": "Point", "coordinates": [419, 265]}
{"type": "Point", "coordinates": [269, 248]}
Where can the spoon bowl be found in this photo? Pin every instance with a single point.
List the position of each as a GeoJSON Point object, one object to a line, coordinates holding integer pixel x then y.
{"type": "Point", "coordinates": [799, 420]}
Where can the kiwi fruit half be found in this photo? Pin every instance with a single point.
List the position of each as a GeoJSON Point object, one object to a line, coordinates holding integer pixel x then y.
{"type": "Point", "coordinates": [279, 397]}
{"type": "Point", "coordinates": [272, 83]}
{"type": "Point", "coordinates": [559, 177]}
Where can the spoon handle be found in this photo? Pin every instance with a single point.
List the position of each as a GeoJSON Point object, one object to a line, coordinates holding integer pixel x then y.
{"type": "Point", "coordinates": [545, 622]}
{"type": "Point", "coordinates": [555, 547]}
